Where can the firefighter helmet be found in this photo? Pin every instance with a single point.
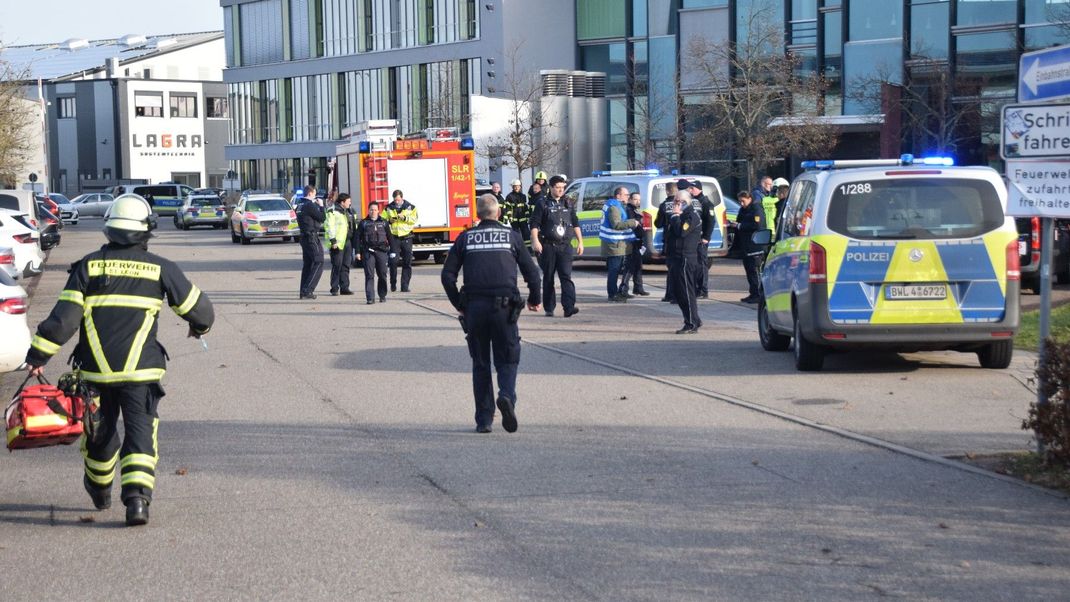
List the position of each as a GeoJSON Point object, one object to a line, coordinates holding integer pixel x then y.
{"type": "Point", "coordinates": [516, 183]}
{"type": "Point", "coordinates": [131, 212]}
{"type": "Point", "coordinates": [541, 175]}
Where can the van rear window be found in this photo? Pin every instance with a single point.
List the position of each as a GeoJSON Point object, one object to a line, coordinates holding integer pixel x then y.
{"type": "Point", "coordinates": [915, 208]}
{"type": "Point", "coordinates": [8, 201]}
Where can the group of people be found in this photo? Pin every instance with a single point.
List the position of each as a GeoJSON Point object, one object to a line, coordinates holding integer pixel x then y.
{"type": "Point", "coordinates": [759, 210]}
{"type": "Point", "coordinates": [382, 240]}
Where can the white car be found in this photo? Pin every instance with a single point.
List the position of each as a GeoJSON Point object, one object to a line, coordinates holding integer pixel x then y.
{"type": "Point", "coordinates": [94, 204]}
{"type": "Point", "coordinates": [67, 212]}
{"type": "Point", "coordinates": [14, 330]}
{"type": "Point", "coordinates": [7, 262]}
{"type": "Point", "coordinates": [24, 241]}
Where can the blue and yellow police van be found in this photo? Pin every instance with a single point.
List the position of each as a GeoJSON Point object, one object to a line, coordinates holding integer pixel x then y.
{"type": "Point", "coordinates": [588, 196]}
{"type": "Point", "coordinates": [901, 254]}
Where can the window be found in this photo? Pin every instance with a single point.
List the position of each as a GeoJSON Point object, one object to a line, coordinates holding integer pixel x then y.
{"type": "Point", "coordinates": [600, 19]}
{"type": "Point", "coordinates": [916, 208]}
{"type": "Point", "coordinates": [67, 107]}
{"type": "Point", "coordinates": [183, 105]}
{"type": "Point", "coordinates": [596, 193]}
{"type": "Point", "coordinates": [1045, 23]}
{"type": "Point", "coordinates": [148, 104]}
{"type": "Point", "coordinates": [929, 29]}
{"type": "Point", "coordinates": [216, 107]}
{"type": "Point", "coordinates": [799, 210]}
{"type": "Point", "coordinates": [875, 20]}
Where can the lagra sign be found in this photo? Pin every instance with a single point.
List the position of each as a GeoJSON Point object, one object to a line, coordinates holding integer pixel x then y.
{"type": "Point", "coordinates": [167, 141]}
{"type": "Point", "coordinates": [1035, 131]}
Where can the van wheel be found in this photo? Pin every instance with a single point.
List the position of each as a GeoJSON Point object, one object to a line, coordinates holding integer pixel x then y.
{"type": "Point", "coordinates": [808, 356]}
{"type": "Point", "coordinates": [770, 338]}
{"type": "Point", "coordinates": [234, 237]}
{"type": "Point", "coordinates": [244, 239]}
{"type": "Point", "coordinates": [996, 355]}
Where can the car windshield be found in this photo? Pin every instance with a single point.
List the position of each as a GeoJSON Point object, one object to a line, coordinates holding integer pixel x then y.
{"type": "Point", "coordinates": [709, 188]}
{"type": "Point", "coordinates": [80, 199]}
{"type": "Point", "coordinates": [267, 205]}
{"type": "Point", "coordinates": [58, 198]}
{"type": "Point", "coordinates": [915, 208]}
{"type": "Point", "coordinates": [203, 201]}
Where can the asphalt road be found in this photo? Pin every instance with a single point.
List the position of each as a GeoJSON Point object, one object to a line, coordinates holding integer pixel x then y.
{"type": "Point", "coordinates": [324, 450]}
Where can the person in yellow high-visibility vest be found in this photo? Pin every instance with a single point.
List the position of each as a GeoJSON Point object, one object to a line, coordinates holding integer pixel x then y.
{"type": "Point", "coordinates": [402, 217]}
{"type": "Point", "coordinates": [338, 230]}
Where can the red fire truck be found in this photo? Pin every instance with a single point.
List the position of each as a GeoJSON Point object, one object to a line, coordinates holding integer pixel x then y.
{"type": "Point", "coordinates": [434, 169]}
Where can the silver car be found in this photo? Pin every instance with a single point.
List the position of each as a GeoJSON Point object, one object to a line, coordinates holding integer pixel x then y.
{"type": "Point", "coordinates": [94, 204]}
{"type": "Point", "coordinates": [201, 208]}
{"type": "Point", "coordinates": [263, 215]}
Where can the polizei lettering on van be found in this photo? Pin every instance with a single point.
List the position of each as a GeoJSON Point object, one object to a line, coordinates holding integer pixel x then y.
{"type": "Point", "coordinates": [868, 256]}
{"type": "Point", "coordinates": [489, 239]}
{"type": "Point", "coordinates": [168, 141]}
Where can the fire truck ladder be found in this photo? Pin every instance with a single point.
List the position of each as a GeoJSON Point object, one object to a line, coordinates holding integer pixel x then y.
{"type": "Point", "coordinates": [379, 188]}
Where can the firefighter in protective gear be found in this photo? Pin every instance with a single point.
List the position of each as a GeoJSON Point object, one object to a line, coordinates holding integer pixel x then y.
{"type": "Point", "coordinates": [113, 296]}
{"type": "Point", "coordinates": [338, 230]}
{"type": "Point", "coordinates": [520, 210]}
{"type": "Point", "coordinates": [540, 179]}
{"type": "Point", "coordinates": [401, 215]}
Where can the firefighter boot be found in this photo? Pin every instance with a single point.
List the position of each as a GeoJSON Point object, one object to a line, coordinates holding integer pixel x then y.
{"type": "Point", "coordinates": [137, 511]}
{"type": "Point", "coordinates": [101, 496]}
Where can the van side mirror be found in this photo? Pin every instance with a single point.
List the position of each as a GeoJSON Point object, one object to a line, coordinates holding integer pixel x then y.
{"type": "Point", "coordinates": [761, 238]}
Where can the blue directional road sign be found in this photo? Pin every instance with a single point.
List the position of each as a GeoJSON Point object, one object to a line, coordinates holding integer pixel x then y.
{"type": "Point", "coordinates": [1044, 74]}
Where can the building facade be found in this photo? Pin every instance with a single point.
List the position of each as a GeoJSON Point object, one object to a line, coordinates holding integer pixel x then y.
{"type": "Point", "coordinates": [299, 72]}
{"type": "Point", "coordinates": [135, 108]}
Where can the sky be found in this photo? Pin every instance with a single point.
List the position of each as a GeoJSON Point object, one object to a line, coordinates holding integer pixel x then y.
{"type": "Point", "coordinates": [40, 21]}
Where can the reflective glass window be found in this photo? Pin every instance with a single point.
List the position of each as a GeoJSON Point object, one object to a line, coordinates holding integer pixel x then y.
{"type": "Point", "coordinates": [984, 12]}
{"type": "Point", "coordinates": [600, 19]}
{"type": "Point", "coordinates": [639, 18]}
{"type": "Point", "coordinates": [875, 20]}
{"type": "Point", "coordinates": [663, 87]}
{"type": "Point", "coordinates": [662, 17]}
{"type": "Point", "coordinates": [833, 62]}
{"type": "Point", "coordinates": [989, 53]}
{"type": "Point", "coordinates": [704, 3]}
{"type": "Point", "coordinates": [929, 29]}
{"type": "Point", "coordinates": [1047, 11]}
{"type": "Point", "coordinates": [755, 16]}
{"type": "Point", "coordinates": [610, 59]}
{"type": "Point", "coordinates": [866, 65]}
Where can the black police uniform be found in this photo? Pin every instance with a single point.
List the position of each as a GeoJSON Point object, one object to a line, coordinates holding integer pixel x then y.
{"type": "Point", "coordinates": [633, 266]}
{"type": "Point", "coordinates": [708, 222]}
{"type": "Point", "coordinates": [374, 242]}
{"type": "Point", "coordinates": [556, 222]}
{"type": "Point", "coordinates": [661, 222]}
{"type": "Point", "coordinates": [113, 297]}
{"type": "Point", "coordinates": [490, 254]}
{"type": "Point", "coordinates": [682, 237]}
{"type": "Point", "coordinates": [749, 220]}
{"type": "Point", "coordinates": [310, 218]}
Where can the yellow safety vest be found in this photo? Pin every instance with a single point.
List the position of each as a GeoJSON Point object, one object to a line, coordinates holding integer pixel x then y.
{"type": "Point", "coordinates": [401, 219]}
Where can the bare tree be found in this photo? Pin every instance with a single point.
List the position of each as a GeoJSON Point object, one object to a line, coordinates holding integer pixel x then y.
{"type": "Point", "coordinates": [760, 107]}
{"type": "Point", "coordinates": [519, 143]}
{"type": "Point", "coordinates": [16, 119]}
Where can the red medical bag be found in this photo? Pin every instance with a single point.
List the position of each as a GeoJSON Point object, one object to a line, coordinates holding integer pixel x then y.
{"type": "Point", "coordinates": [41, 415]}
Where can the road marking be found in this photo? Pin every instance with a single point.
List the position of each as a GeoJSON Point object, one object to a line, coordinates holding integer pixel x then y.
{"type": "Point", "coordinates": [846, 434]}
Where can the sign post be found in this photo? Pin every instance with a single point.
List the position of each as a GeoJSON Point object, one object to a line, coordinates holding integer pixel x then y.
{"type": "Point", "coordinates": [1031, 133]}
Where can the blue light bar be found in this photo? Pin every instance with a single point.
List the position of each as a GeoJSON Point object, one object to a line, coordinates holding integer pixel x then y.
{"type": "Point", "coordinates": [364, 146]}
{"type": "Point", "coordinates": [943, 161]}
{"type": "Point", "coordinates": [468, 144]}
{"type": "Point", "coordinates": [823, 164]}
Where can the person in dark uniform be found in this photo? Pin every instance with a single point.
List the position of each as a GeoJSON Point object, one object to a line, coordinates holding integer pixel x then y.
{"type": "Point", "coordinates": [682, 236]}
{"type": "Point", "coordinates": [373, 244]}
{"type": "Point", "coordinates": [709, 220]}
{"type": "Point", "coordinates": [633, 267]}
{"type": "Point", "coordinates": [661, 222]}
{"type": "Point", "coordinates": [553, 227]}
{"type": "Point", "coordinates": [310, 218]}
{"type": "Point", "coordinates": [113, 297]}
{"type": "Point", "coordinates": [751, 218]}
{"type": "Point", "coordinates": [489, 306]}
{"type": "Point", "coordinates": [339, 232]}
{"type": "Point", "coordinates": [521, 210]}
{"type": "Point", "coordinates": [402, 217]}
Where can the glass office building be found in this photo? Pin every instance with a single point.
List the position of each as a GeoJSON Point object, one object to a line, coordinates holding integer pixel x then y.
{"type": "Point", "coordinates": [300, 72]}
{"type": "Point", "coordinates": [959, 54]}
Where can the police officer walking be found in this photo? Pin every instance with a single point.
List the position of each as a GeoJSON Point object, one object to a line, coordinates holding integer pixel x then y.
{"type": "Point", "coordinates": [751, 218]}
{"type": "Point", "coordinates": [490, 304]}
{"type": "Point", "coordinates": [553, 226]}
{"type": "Point", "coordinates": [339, 233]}
{"type": "Point", "coordinates": [520, 210]}
{"type": "Point", "coordinates": [402, 216]}
{"type": "Point", "coordinates": [373, 243]}
{"type": "Point", "coordinates": [113, 297]}
{"type": "Point", "coordinates": [682, 236]}
{"type": "Point", "coordinates": [310, 218]}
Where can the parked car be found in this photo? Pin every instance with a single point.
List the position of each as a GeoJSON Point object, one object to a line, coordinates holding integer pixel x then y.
{"type": "Point", "coordinates": [60, 206]}
{"type": "Point", "coordinates": [49, 227]}
{"type": "Point", "coordinates": [95, 204]}
{"type": "Point", "coordinates": [22, 239]}
{"type": "Point", "coordinates": [14, 330]}
{"type": "Point", "coordinates": [1029, 237]}
{"type": "Point", "coordinates": [201, 208]}
{"type": "Point", "coordinates": [263, 215]}
{"type": "Point", "coordinates": [165, 197]}
{"type": "Point", "coordinates": [22, 202]}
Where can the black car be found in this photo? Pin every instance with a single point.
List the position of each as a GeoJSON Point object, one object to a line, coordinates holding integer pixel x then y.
{"type": "Point", "coordinates": [49, 226]}
{"type": "Point", "coordinates": [1029, 244]}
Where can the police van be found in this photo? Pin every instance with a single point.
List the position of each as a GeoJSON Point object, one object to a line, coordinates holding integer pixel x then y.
{"type": "Point", "coordinates": [588, 195]}
{"type": "Point", "coordinates": [898, 254]}
{"type": "Point", "coordinates": [166, 197]}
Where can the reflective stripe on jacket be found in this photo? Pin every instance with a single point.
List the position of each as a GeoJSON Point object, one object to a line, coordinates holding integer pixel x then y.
{"type": "Point", "coordinates": [113, 297]}
{"type": "Point", "coordinates": [337, 227]}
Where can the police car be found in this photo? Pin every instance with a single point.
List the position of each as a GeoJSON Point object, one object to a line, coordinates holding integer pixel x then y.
{"type": "Point", "coordinates": [588, 195]}
{"type": "Point", "coordinates": [897, 254]}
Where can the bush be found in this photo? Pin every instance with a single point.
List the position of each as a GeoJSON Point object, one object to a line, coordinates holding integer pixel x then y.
{"type": "Point", "coordinates": [1051, 421]}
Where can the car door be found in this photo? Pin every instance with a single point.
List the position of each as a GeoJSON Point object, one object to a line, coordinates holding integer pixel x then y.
{"type": "Point", "coordinates": [788, 260]}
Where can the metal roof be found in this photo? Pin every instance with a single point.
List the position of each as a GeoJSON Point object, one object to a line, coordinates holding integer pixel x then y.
{"type": "Point", "coordinates": [75, 56]}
